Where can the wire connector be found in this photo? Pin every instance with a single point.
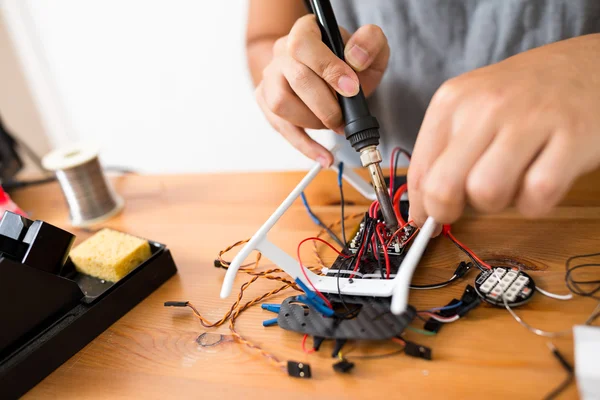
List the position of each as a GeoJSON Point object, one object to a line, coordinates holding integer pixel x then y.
{"type": "Point", "coordinates": [343, 367]}
{"type": "Point", "coordinates": [176, 303]}
{"type": "Point", "coordinates": [433, 325]}
{"type": "Point", "coordinates": [416, 350]}
{"type": "Point", "coordinates": [313, 303]}
{"type": "Point", "coordinates": [274, 308]}
{"type": "Point", "coordinates": [465, 309]}
{"type": "Point", "coordinates": [270, 322]}
{"type": "Point", "coordinates": [469, 295]}
{"type": "Point", "coordinates": [462, 269]}
{"type": "Point", "coordinates": [298, 370]}
{"type": "Point", "coordinates": [470, 300]}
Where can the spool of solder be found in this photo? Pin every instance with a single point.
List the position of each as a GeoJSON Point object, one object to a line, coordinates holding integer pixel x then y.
{"type": "Point", "coordinates": [89, 195]}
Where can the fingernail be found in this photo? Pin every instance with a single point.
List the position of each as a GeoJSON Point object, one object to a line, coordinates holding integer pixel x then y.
{"type": "Point", "coordinates": [357, 57]}
{"type": "Point", "coordinates": [348, 86]}
{"type": "Point", "coordinates": [323, 161]}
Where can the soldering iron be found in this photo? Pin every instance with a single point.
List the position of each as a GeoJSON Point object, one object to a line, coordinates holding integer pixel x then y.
{"type": "Point", "coordinates": [362, 128]}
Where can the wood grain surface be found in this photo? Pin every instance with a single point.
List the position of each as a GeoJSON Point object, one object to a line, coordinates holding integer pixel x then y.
{"type": "Point", "coordinates": [152, 352]}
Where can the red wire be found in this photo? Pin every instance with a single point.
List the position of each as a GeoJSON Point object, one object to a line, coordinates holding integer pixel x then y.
{"type": "Point", "coordinates": [304, 346]}
{"type": "Point", "coordinates": [396, 202]}
{"type": "Point", "coordinates": [398, 230]}
{"type": "Point", "coordinates": [446, 231]}
{"type": "Point", "coordinates": [373, 209]}
{"type": "Point", "coordinates": [360, 253]}
{"type": "Point", "coordinates": [385, 253]}
{"type": "Point", "coordinates": [303, 268]}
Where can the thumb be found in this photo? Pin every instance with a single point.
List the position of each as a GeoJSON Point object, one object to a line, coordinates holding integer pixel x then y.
{"type": "Point", "coordinates": [367, 52]}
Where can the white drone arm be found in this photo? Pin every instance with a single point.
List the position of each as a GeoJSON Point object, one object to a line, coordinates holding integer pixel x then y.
{"type": "Point", "coordinates": [398, 287]}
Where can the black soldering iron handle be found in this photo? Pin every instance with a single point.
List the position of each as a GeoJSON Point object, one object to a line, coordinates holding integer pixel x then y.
{"type": "Point", "coordinates": [362, 129]}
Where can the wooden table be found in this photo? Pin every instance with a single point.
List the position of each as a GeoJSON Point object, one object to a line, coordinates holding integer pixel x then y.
{"type": "Point", "coordinates": [152, 351]}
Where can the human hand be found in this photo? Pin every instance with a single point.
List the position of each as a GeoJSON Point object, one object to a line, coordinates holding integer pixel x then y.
{"type": "Point", "coordinates": [299, 86]}
{"type": "Point", "coordinates": [517, 132]}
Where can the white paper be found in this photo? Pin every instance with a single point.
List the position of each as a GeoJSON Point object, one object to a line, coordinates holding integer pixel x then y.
{"type": "Point", "coordinates": [587, 361]}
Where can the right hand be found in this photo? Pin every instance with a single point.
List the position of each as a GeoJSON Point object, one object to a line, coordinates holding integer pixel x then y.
{"type": "Point", "coordinates": [299, 86]}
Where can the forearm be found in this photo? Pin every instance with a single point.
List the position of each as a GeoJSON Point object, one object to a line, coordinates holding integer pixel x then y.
{"type": "Point", "coordinates": [268, 20]}
{"type": "Point", "coordinates": [259, 54]}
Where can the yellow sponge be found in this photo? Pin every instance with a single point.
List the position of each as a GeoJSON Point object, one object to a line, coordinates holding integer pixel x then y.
{"type": "Point", "coordinates": [110, 255]}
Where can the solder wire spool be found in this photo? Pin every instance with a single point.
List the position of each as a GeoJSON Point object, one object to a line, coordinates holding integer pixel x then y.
{"type": "Point", "coordinates": [89, 195]}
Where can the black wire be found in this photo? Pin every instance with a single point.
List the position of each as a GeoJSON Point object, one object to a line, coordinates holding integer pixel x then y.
{"type": "Point", "coordinates": [574, 285]}
{"type": "Point", "coordinates": [567, 367]}
{"type": "Point", "coordinates": [14, 184]}
{"type": "Point", "coordinates": [475, 262]}
{"type": "Point", "coordinates": [434, 285]}
{"type": "Point", "coordinates": [395, 172]}
{"type": "Point", "coordinates": [365, 233]}
{"type": "Point", "coordinates": [559, 389]}
{"type": "Point", "coordinates": [378, 258]}
{"type": "Point", "coordinates": [341, 186]}
{"type": "Point", "coordinates": [340, 290]}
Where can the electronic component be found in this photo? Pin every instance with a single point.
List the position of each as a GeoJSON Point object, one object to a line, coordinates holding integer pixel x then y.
{"type": "Point", "coordinates": [337, 347]}
{"type": "Point", "coordinates": [433, 325]}
{"type": "Point", "coordinates": [344, 366]}
{"type": "Point", "coordinates": [416, 350]}
{"type": "Point", "coordinates": [517, 286]}
{"type": "Point", "coordinates": [298, 370]}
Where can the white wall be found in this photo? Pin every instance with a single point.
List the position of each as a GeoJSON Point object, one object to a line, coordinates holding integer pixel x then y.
{"type": "Point", "coordinates": [161, 85]}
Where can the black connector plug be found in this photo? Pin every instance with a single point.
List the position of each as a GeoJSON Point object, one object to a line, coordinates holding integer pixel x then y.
{"type": "Point", "coordinates": [417, 350]}
{"type": "Point", "coordinates": [344, 366]}
{"type": "Point", "coordinates": [433, 325]}
{"type": "Point", "coordinates": [462, 311]}
{"type": "Point", "coordinates": [462, 269]}
{"type": "Point", "coordinates": [449, 312]}
{"type": "Point", "coordinates": [317, 342]}
{"type": "Point", "coordinates": [469, 295]}
{"type": "Point", "coordinates": [298, 370]}
{"type": "Point", "coordinates": [218, 263]}
{"type": "Point", "coordinates": [176, 303]}
{"type": "Point", "coordinates": [337, 347]}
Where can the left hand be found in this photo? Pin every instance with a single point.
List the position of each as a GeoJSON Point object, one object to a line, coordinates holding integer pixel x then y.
{"type": "Point", "coordinates": [519, 131]}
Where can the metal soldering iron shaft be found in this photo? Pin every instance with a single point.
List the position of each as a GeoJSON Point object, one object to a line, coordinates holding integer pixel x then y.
{"type": "Point", "coordinates": [383, 196]}
{"type": "Point", "coordinates": [371, 158]}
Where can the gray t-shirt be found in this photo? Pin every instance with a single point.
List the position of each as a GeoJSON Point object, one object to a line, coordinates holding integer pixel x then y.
{"type": "Point", "coordinates": [434, 40]}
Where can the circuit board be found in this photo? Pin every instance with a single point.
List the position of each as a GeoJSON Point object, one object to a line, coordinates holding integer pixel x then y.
{"type": "Point", "coordinates": [372, 263]}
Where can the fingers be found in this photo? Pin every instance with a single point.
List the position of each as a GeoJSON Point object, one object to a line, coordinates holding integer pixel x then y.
{"type": "Point", "coordinates": [548, 178]}
{"type": "Point", "coordinates": [296, 136]}
{"type": "Point", "coordinates": [493, 182]}
{"type": "Point", "coordinates": [368, 52]}
{"type": "Point", "coordinates": [305, 46]}
{"type": "Point", "coordinates": [431, 141]}
{"type": "Point", "coordinates": [315, 93]}
{"type": "Point", "coordinates": [444, 187]}
{"type": "Point", "coordinates": [366, 46]}
{"type": "Point", "coordinates": [280, 99]}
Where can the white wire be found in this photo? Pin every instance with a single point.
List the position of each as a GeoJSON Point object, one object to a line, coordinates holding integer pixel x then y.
{"type": "Point", "coordinates": [554, 295]}
{"type": "Point", "coordinates": [444, 320]}
{"type": "Point", "coordinates": [537, 331]}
